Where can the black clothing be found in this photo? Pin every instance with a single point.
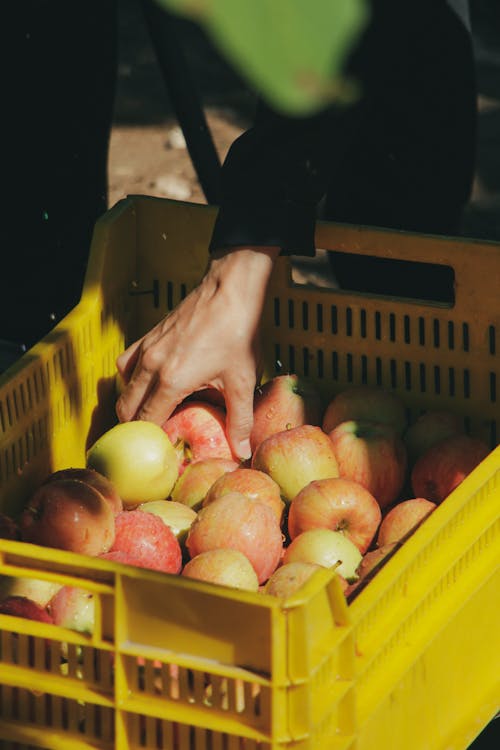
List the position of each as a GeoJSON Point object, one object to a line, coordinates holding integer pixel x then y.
{"type": "Point", "coordinates": [58, 82]}
{"type": "Point", "coordinates": [402, 157]}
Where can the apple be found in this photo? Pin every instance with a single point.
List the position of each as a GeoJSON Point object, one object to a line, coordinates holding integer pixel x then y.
{"type": "Point", "coordinates": [177, 516]}
{"type": "Point", "coordinates": [337, 504]}
{"type": "Point", "coordinates": [373, 454]}
{"type": "Point", "coordinates": [445, 465]}
{"type": "Point", "coordinates": [96, 480]}
{"type": "Point", "coordinates": [402, 519]}
{"type": "Point", "coordinates": [197, 478]}
{"type": "Point", "coordinates": [289, 578]}
{"type": "Point", "coordinates": [227, 567]}
{"type": "Point", "coordinates": [21, 606]}
{"type": "Point", "coordinates": [281, 403]}
{"type": "Point", "coordinates": [71, 515]}
{"type": "Point", "coordinates": [236, 522]}
{"type": "Point", "coordinates": [326, 548]}
{"type": "Point", "coordinates": [208, 395]}
{"type": "Point", "coordinates": [73, 608]}
{"type": "Point", "coordinates": [139, 460]}
{"type": "Point", "coordinates": [365, 402]}
{"type": "Point", "coordinates": [430, 428]}
{"type": "Point", "coordinates": [252, 483]}
{"type": "Point", "coordinates": [37, 590]}
{"type": "Point", "coordinates": [370, 565]}
{"type": "Point", "coordinates": [125, 558]}
{"type": "Point", "coordinates": [295, 457]}
{"type": "Point", "coordinates": [198, 430]}
{"type": "Point", "coordinates": [148, 539]}
{"type": "Point", "coordinates": [9, 529]}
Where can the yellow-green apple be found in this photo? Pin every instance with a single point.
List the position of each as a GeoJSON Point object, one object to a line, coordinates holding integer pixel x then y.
{"type": "Point", "coordinates": [295, 457]}
{"type": "Point", "coordinates": [253, 484]}
{"type": "Point", "coordinates": [96, 480]}
{"type": "Point", "coordinates": [370, 565]}
{"type": "Point", "coordinates": [35, 589]}
{"type": "Point", "coordinates": [147, 540]}
{"type": "Point", "coordinates": [289, 578]}
{"type": "Point", "coordinates": [177, 516]}
{"type": "Point", "coordinates": [327, 548]}
{"type": "Point", "coordinates": [402, 519]}
{"type": "Point", "coordinates": [198, 430]}
{"type": "Point", "coordinates": [284, 402]}
{"type": "Point", "coordinates": [71, 515]}
{"type": "Point", "coordinates": [445, 465]}
{"type": "Point", "coordinates": [21, 606]}
{"type": "Point", "coordinates": [373, 454]}
{"type": "Point", "coordinates": [73, 608]}
{"type": "Point", "coordinates": [365, 402]}
{"type": "Point", "coordinates": [227, 567]}
{"type": "Point", "coordinates": [337, 504]}
{"type": "Point", "coordinates": [236, 522]}
{"type": "Point", "coordinates": [139, 459]}
{"type": "Point", "coordinates": [430, 428]}
{"type": "Point", "coordinates": [197, 478]}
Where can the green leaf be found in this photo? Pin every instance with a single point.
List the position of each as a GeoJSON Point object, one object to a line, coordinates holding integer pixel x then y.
{"type": "Point", "coordinates": [291, 52]}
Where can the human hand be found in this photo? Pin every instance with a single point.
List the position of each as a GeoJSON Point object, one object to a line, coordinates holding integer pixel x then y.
{"type": "Point", "coordinates": [209, 341]}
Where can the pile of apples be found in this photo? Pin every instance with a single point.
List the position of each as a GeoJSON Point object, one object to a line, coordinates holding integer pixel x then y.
{"type": "Point", "coordinates": [339, 487]}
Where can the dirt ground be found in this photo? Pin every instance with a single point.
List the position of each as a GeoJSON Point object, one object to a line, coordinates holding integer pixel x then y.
{"type": "Point", "coordinates": [148, 153]}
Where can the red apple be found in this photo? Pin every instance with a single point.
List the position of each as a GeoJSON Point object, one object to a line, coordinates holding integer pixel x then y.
{"type": "Point", "coordinates": [445, 465]}
{"type": "Point", "coordinates": [370, 565]}
{"type": "Point", "coordinates": [365, 402]}
{"type": "Point", "coordinates": [373, 454]}
{"type": "Point", "coordinates": [125, 558]}
{"type": "Point", "coordinates": [337, 504]}
{"type": "Point", "coordinates": [21, 606]}
{"type": "Point", "coordinates": [236, 522]}
{"type": "Point", "coordinates": [284, 402]}
{"type": "Point", "coordinates": [402, 519]}
{"type": "Point", "coordinates": [138, 458]}
{"type": "Point", "coordinates": [197, 478]}
{"type": "Point", "coordinates": [326, 548]}
{"type": "Point", "coordinates": [9, 529]}
{"type": "Point", "coordinates": [289, 578]}
{"type": "Point", "coordinates": [148, 540]}
{"type": "Point", "coordinates": [210, 396]}
{"type": "Point", "coordinates": [295, 457]}
{"type": "Point", "coordinates": [227, 567]}
{"type": "Point", "coordinates": [73, 608]}
{"type": "Point", "coordinates": [198, 430]}
{"type": "Point", "coordinates": [430, 428]}
{"type": "Point", "coordinates": [96, 480]}
{"type": "Point", "coordinates": [71, 515]}
{"type": "Point", "coordinates": [252, 483]}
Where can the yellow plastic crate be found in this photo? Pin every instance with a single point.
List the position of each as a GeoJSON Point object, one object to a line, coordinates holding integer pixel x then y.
{"type": "Point", "coordinates": [176, 664]}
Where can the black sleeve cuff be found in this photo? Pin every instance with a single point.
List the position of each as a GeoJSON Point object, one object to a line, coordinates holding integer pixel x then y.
{"type": "Point", "coordinates": [283, 224]}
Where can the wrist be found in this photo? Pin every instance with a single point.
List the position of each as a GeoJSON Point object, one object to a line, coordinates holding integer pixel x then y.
{"type": "Point", "coordinates": [242, 272]}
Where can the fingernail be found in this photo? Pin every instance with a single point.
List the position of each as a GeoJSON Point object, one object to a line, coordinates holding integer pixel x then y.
{"type": "Point", "coordinates": [244, 451]}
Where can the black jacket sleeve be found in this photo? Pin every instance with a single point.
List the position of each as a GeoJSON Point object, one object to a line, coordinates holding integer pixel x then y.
{"type": "Point", "coordinates": [274, 176]}
{"type": "Point", "coordinates": [276, 173]}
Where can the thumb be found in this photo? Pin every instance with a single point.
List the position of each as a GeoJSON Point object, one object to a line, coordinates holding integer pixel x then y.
{"type": "Point", "coordinates": [239, 419]}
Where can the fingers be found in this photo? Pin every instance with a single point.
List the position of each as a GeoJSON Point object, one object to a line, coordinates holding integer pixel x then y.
{"type": "Point", "coordinates": [127, 361]}
{"type": "Point", "coordinates": [239, 420]}
{"type": "Point", "coordinates": [142, 380]}
{"type": "Point", "coordinates": [160, 403]}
